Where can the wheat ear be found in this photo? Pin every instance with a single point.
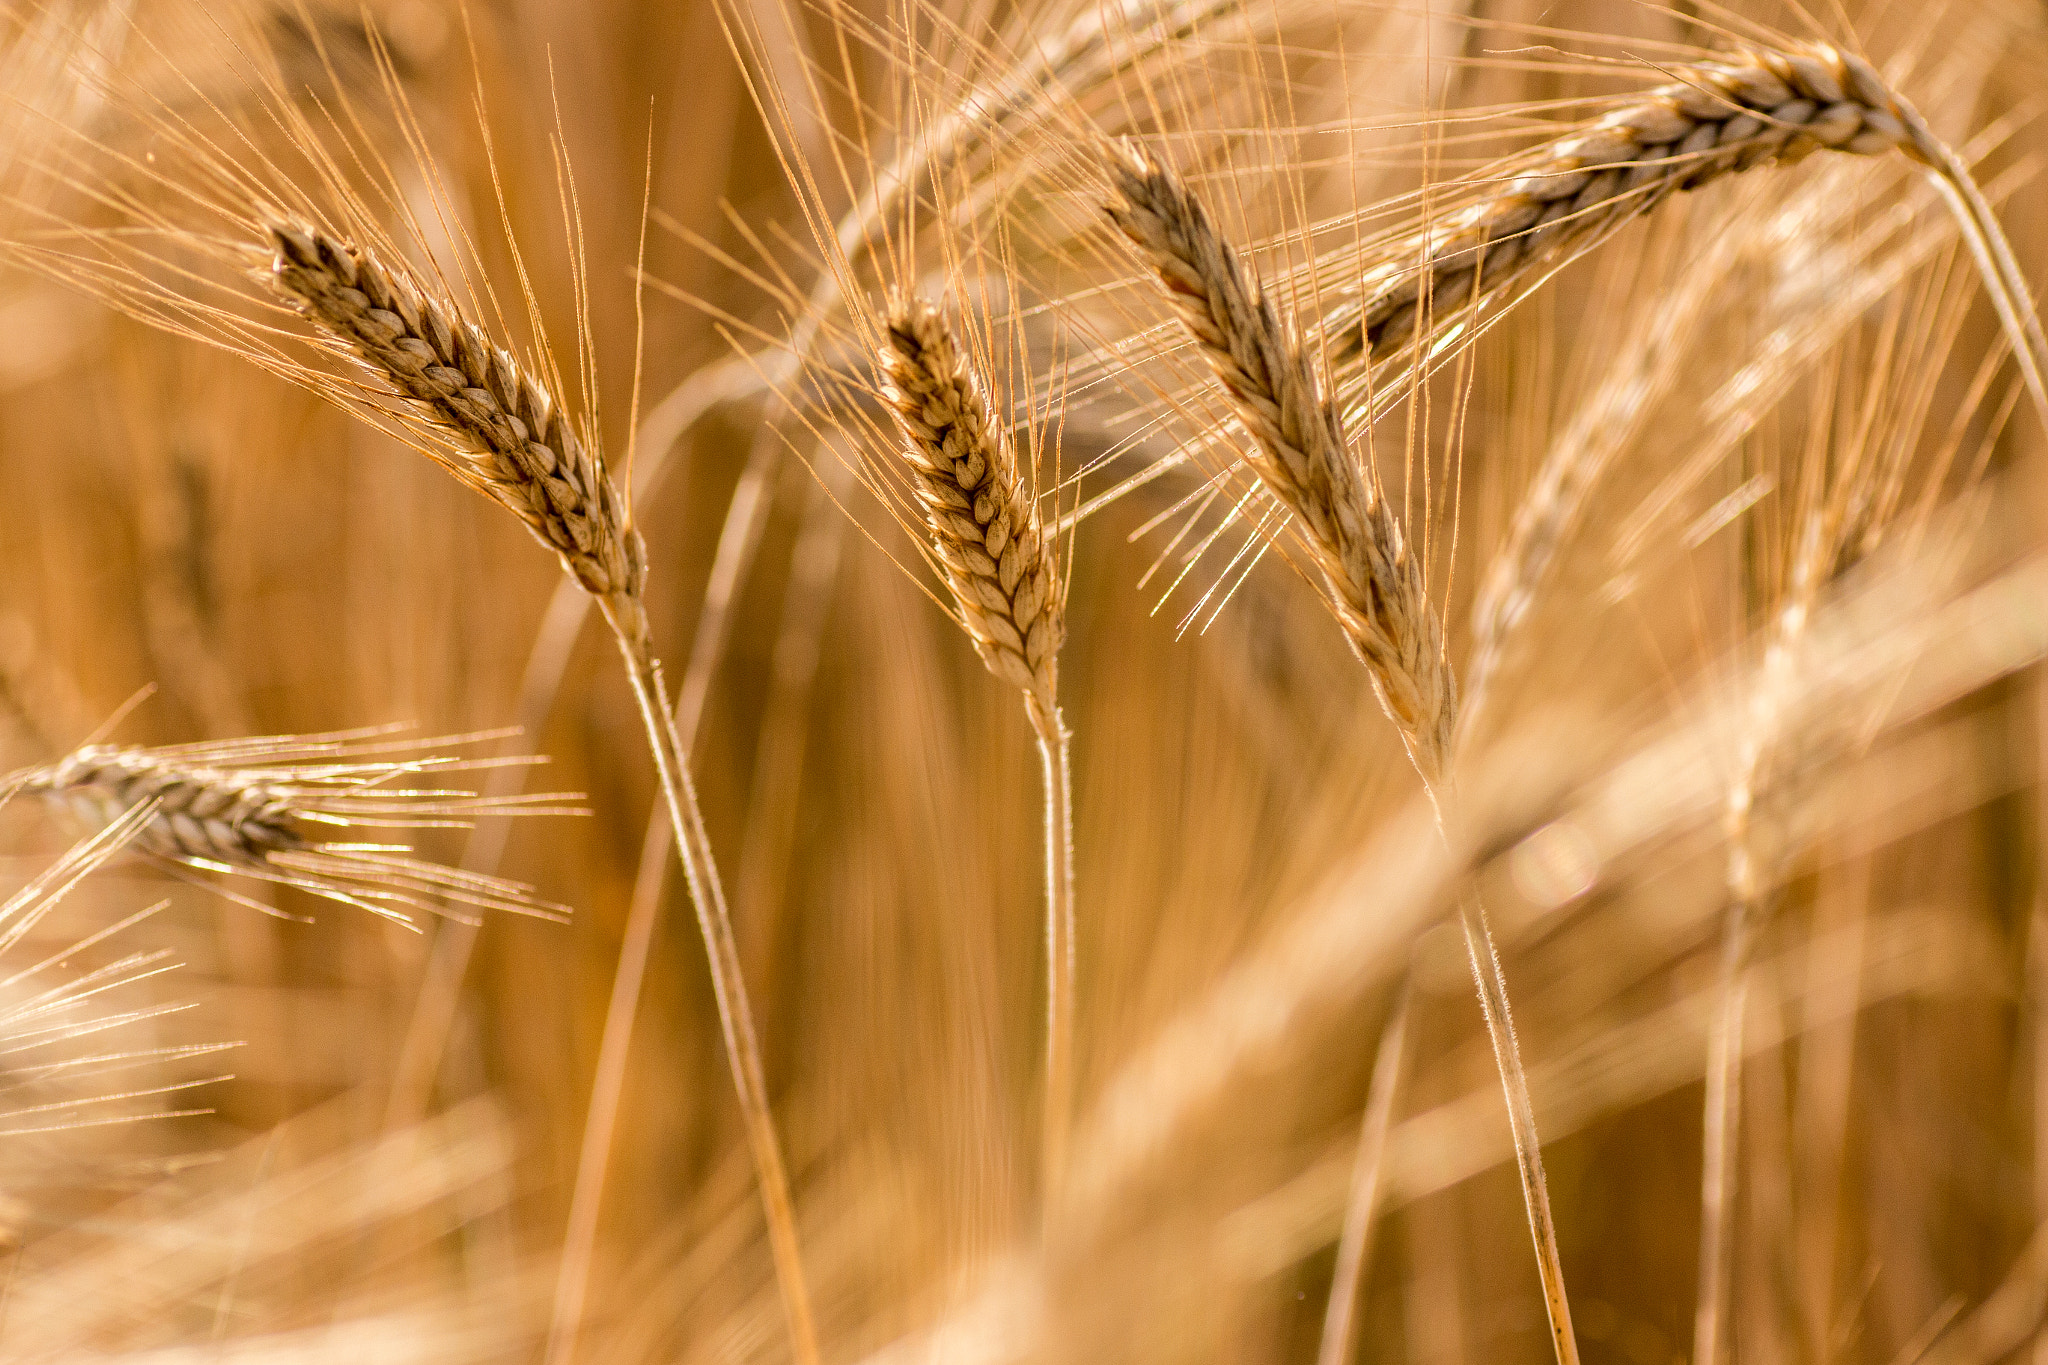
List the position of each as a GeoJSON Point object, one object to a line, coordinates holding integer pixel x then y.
{"type": "Point", "coordinates": [511, 440]}
{"type": "Point", "coordinates": [1349, 530]}
{"type": "Point", "coordinates": [1374, 584]}
{"type": "Point", "coordinates": [987, 538]}
{"type": "Point", "coordinates": [241, 807]}
{"type": "Point", "coordinates": [1744, 109]}
{"type": "Point", "coordinates": [520, 447]}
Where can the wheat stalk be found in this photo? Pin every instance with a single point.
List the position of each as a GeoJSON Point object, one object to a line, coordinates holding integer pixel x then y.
{"type": "Point", "coordinates": [515, 445]}
{"type": "Point", "coordinates": [522, 450]}
{"type": "Point", "coordinates": [986, 535]}
{"type": "Point", "coordinates": [1354, 1242]}
{"type": "Point", "coordinates": [1374, 583]}
{"type": "Point", "coordinates": [1747, 109]}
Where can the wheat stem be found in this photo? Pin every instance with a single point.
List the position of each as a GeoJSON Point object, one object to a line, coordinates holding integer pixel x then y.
{"type": "Point", "coordinates": [1354, 1243]}
{"type": "Point", "coordinates": [1059, 942]}
{"type": "Point", "coordinates": [1722, 1128]}
{"type": "Point", "coordinates": [986, 539]}
{"type": "Point", "coordinates": [728, 984]}
{"type": "Point", "coordinates": [1514, 1082]}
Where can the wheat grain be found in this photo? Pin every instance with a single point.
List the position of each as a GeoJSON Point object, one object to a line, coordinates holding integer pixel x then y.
{"type": "Point", "coordinates": [1746, 109]}
{"type": "Point", "coordinates": [1351, 532]}
{"type": "Point", "coordinates": [524, 452]}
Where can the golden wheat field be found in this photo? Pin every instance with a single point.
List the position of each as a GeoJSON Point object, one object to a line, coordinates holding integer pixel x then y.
{"type": "Point", "coordinates": [984, 681]}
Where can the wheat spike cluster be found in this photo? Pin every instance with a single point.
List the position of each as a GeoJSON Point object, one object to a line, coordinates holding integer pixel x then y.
{"type": "Point", "coordinates": [201, 812]}
{"type": "Point", "coordinates": [1161, 681]}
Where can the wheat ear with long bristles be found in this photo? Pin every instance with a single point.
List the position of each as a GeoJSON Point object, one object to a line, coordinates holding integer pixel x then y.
{"type": "Point", "coordinates": [257, 808]}
{"type": "Point", "coordinates": [1348, 529]}
{"type": "Point", "coordinates": [1749, 108]}
{"type": "Point", "coordinates": [523, 451]}
{"type": "Point", "coordinates": [1352, 536]}
{"type": "Point", "coordinates": [986, 534]}
{"type": "Point", "coordinates": [513, 442]}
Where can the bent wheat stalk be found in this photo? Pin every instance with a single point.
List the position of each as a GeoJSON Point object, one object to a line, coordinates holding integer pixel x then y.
{"type": "Point", "coordinates": [1352, 537]}
{"type": "Point", "coordinates": [986, 536]}
{"type": "Point", "coordinates": [507, 437]}
{"type": "Point", "coordinates": [1530, 213]}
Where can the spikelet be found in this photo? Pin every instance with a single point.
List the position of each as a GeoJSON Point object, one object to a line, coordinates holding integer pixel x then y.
{"type": "Point", "coordinates": [1531, 212]}
{"type": "Point", "coordinates": [246, 807]}
{"type": "Point", "coordinates": [1350, 531]}
{"type": "Point", "coordinates": [522, 450]}
{"type": "Point", "coordinates": [985, 529]}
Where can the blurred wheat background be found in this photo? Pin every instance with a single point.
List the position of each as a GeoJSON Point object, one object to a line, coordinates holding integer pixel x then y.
{"type": "Point", "coordinates": [1734, 527]}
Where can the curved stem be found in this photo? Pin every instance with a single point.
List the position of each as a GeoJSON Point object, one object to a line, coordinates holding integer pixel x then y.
{"type": "Point", "coordinates": [1366, 1174]}
{"type": "Point", "coordinates": [1514, 1080]}
{"type": "Point", "coordinates": [2002, 277]}
{"type": "Point", "coordinates": [1059, 943]}
{"type": "Point", "coordinates": [735, 1017]}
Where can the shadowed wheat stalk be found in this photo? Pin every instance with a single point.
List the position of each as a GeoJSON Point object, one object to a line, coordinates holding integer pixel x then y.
{"type": "Point", "coordinates": [1354, 540]}
{"type": "Point", "coordinates": [986, 533]}
{"type": "Point", "coordinates": [521, 452]}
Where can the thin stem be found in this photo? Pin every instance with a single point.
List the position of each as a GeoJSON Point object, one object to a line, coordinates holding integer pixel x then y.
{"type": "Point", "coordinates": [586, 1203]}
{"type": "Point", "coordinates": [2002, 277]}
{"type": "Point", "coordinates": [1722, 1127]}
{"type": "Point", "coordinates": [728, 984]}
{"type": "Point", "coordinates": [1514, 1080]}
{"type": "Point", "coordinates": [1059, 942]}
{"type": "Point", "coordinates": [1367, 1171]}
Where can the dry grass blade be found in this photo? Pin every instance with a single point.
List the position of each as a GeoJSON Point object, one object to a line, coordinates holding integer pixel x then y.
{"type": "Point", "coordinates": [1372, 581]}
{"type": "Point", "coordinates": [1351, 533]}
{"type": "Point", "coordinates": [986, 533]}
